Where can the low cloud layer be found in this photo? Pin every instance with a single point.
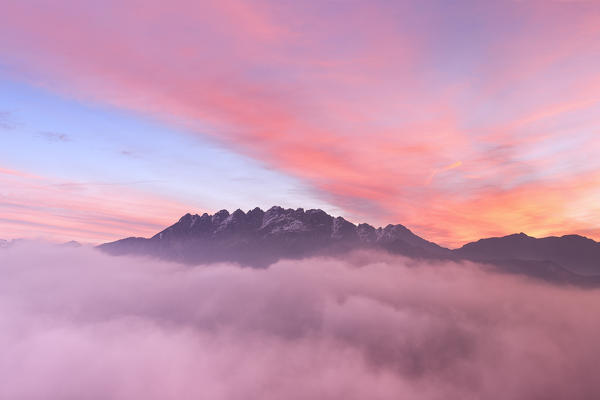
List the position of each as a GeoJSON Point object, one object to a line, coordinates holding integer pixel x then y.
{"type": "Point", "coordinates": [75, 323]}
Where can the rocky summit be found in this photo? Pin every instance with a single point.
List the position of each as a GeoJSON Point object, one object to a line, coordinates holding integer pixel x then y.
{"type": "Point", "coordinates": [258, 238]}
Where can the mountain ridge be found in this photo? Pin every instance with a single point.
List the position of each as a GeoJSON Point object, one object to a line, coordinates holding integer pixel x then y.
{"type": "Point", "coordinates": [258, 238]}
{"type": "Point", "coordinates": [285, 233]}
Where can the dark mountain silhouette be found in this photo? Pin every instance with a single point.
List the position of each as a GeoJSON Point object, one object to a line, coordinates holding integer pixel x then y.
{"type": "Point", "coordinates": [258, 238]}
{"type": "Point", "coordinates": [575, 253]}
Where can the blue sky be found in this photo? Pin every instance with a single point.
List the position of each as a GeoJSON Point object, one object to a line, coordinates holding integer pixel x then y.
{"type": "Point", "coordinates": [47, 134]}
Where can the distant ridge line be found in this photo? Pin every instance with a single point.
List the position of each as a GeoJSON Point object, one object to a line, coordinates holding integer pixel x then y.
{"type": "Point", "coordinates": [259, 238]}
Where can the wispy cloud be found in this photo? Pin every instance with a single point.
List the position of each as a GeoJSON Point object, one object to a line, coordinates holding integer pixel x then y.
{"type": "Point", "coordinates": [6, 122]}
{"type": "Point", "coordinates": [55, 137]}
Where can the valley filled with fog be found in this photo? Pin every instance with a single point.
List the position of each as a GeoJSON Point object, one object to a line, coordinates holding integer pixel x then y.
{"type": "Point", "coordinates": [76, 323]}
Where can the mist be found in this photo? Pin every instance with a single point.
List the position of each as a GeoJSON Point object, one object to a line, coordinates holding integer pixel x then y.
{"type": "Point", "coordinates": [78, 324]}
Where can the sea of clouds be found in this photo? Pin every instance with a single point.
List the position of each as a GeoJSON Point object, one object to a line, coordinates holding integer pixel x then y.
{"type": "Point", "coordinates": [78, 324]}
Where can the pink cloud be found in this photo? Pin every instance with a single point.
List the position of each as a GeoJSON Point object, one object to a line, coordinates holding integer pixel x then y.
{"type": "Point", "coordinates": [365, 102]}
{"type": "Point", "coordinates": [65, 211]}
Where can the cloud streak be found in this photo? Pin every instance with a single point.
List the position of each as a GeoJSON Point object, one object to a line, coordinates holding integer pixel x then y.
{"type": "Point", "coordinates": [6, 122]}
{"type": "Point", "coordinates": [366, 102]}
{"type": "Point", "coordinates": [89, 212]}
{"type": "Point", "coordinates": [55, 137]}
{"type": "Point", "coordinates": [75, 322]}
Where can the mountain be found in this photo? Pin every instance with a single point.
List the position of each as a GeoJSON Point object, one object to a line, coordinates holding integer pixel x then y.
{"type": "Point", "coordinates": [574, 253]}
{"type": "Point", "coordinates": [71, 243]}
{"type": "Point", "coordinates": [4, 244]}
{"type": "Point", "coordinates": [258, 238]}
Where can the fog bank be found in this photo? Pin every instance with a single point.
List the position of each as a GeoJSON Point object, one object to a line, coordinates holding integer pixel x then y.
{"type": "Point", "coordinates": [75, 324]}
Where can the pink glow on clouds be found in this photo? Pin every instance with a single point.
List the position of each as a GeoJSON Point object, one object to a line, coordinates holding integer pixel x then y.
{"type": "Point", "coordinates": [369, 102]}
{"type": "Point", "coordinates": [367, 327]}
{"type": "Point", "coordinates": [78, 211]}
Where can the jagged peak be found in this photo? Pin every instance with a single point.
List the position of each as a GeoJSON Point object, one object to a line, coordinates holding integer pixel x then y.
{"type": "Point", "coordinates": [219, 216]}
{"type": "Point", "coordinates": [277, 219]}
{"type": "Point", "coordinates": [236, 216]}
{"type": "Point", "coordinates": [365, 226]}
{"type": "Point", "coordinates": [340, 221]}
{"type": "Point", "coordinates": [342, 228]}
{"type": "Point", "coordinates": [316, 211]}
{"type": "Point", "coordinates": [238, 213]}
{"type": "Point", "coordinates": [396, 227]}
{"type": "Point", "coordinates": [185, 217]}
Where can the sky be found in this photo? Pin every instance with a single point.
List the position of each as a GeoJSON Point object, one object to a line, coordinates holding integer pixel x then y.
{"type": "Point", "coordinates": [459, 120]}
